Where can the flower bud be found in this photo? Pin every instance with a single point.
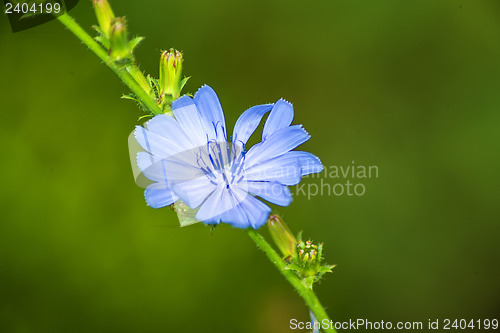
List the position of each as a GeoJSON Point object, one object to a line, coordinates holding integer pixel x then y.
{"type": "Point", "coordinates": [104, 16]}
{"type": "Point", "coordinates": [282, 236]}
{"type": "Point", "coordinates": [170, 75]}
{"type": "Point", "coordinates": [119, 47]}
{"type": "Point", "coordinates": [307, 264]}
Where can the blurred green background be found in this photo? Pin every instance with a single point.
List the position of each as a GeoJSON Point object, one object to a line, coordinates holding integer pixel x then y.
{"type": "Point", "coordinates": [409, 86]}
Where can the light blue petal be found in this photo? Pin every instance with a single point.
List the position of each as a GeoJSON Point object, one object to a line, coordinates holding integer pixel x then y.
{"type": "Point", "coordinates": [248, 122]}
{"type": "Point", "coordinates": [282, 169]}
{"type": "Point", "coordinates": [178, 171]}
{"type": "Point", "coordinates": [154, 171]}
{"type": "Point", "coordinates": [172, 170]}
{"type": "Point", "coordinates": [211, 221]}
{"type": "Point", "coordinates": [247, 211]}
{"type": "Point", "coordinates": [222, 205]}
{"type": "Point", "coordinates": [195, 191]}
{"type": "Point", "coordinates": [277, 144]}
{"type": "Point", "coordinates": [273, 192]}
{"type": "Point", "coordinates": [211, 208]}
{"type": "Point", "coordinates": [255, 210]}
{"type": "Point", "coordinates": [208, 105]}
{"type": "Point", "coordinates": [168, 128]}
{"type": "Point", "coordinates": [155, 144]}
{"type": "Point", "coordinates": [188, 116]}
{"type": "Point", "coordinates": [145, 160]}
{"type": "Point", "coordinates": [281, 116]}
{"type": "Point", "coordinates": [236, 217]}
{"type": "Point", "coordinates": [159, 195]}
{"type": "Point", "coordinates": [308, 162]}
{"type": "Point", "coordinates": [233, 213]}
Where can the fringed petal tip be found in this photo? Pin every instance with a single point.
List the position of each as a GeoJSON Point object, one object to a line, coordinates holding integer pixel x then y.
{"type": "Point", "coordinates": [286, 101]}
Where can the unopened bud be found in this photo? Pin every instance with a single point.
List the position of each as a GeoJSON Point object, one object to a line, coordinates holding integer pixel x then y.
{"type": "Point", "coordinates": [282, 235]}
{"type": "Point", "coordinates": [104, 15]}
{"type": "Point", "coordinates": [170, 74]}
{"type": "Point", "coordinates": [119, 47]}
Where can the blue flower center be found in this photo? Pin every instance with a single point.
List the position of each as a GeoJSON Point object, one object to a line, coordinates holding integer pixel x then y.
{"type": "Point", "coordinates": [224, 163]}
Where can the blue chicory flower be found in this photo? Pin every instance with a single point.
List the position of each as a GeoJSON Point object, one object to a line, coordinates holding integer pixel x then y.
{"type": "Point", "coordinates": [188, 157]}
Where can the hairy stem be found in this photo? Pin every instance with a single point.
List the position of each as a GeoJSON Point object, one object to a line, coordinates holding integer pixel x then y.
{"type": "Point", "coordinates": [307, 294]}
{"type": "Point", "coordinates": [122, 73]}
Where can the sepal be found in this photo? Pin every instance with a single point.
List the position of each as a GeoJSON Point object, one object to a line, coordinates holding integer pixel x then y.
{"type": "Point", "coordinates": [134, 42]}
{"type": "Point", "coordinates": [184, 81]}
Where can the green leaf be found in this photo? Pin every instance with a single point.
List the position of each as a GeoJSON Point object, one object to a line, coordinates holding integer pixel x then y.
{"type": "Point", "coordinates": [103, 41]}
{"type": "Point", "coordinates": [183, 82]}
{"type": "Point", "coordinates": [135, 42]}
{"type": "Point", "coordinates": [145, 116]}
{"type": "Point", "coordinates": [294, 267]}
{"type": "Point", "coordinates": [134, 98]}
{"type": "Point", "coordinates": [28, 16]}
{"type": "Point", "coordinates": [154, 84]}
{"type": "Point", "coordinates": [320, 252]}
{"type": "Point", "coordinates": [326, 268]}
{"type": "Point", "coordinates": [97, 28]}
{"type": "Point", "coordinates": [131, 97]}
{"type": "Point", "coordinates": [309, 281]}
{"type": "Point", "coordinates": [30, 4]}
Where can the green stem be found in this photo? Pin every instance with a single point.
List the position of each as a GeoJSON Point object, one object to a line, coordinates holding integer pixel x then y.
{"type": "Point", "coordinates": [307, 294]}
{"type": "Point", "coordinates": [122, 73]}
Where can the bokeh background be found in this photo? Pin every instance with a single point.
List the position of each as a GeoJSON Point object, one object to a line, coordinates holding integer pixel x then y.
{"type": "Point", "coordinates": [409, 86]}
